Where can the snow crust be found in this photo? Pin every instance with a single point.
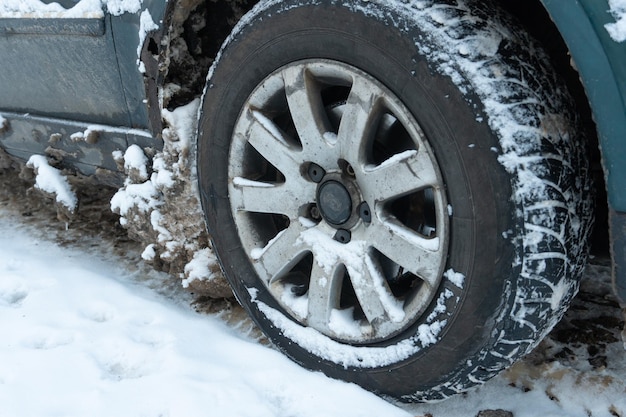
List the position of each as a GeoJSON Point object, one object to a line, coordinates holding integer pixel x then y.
{"type": "Point", "coordinates": [82, 9]}
{"type": "Point", "coordinates": [617, 30]}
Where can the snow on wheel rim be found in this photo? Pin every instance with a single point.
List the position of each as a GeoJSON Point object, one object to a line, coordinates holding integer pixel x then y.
{"type": "Point", "coordinates": [338, 201]}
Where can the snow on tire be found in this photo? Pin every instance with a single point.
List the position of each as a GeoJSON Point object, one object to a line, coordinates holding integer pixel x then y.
{"type": "Point", "coordinates": [397, 191]}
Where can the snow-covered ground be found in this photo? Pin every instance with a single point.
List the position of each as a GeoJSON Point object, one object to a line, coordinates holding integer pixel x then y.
{"type": "Point", "coordinates": [84, 335]}
{"type": "Point", "coordinates": [88, 330]}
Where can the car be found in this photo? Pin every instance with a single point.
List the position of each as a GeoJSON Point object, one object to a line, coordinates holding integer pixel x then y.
{"type": "Point", "coordinates": [400, 193]}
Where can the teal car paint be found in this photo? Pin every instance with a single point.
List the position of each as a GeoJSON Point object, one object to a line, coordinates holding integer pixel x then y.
{"type": "Point", "coordinates": [601, 63]}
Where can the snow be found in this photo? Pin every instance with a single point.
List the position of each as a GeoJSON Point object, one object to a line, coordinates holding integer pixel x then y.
{"type": "Point", "coordinates": [198, 267]}
{"type": "Point", "coordinates": [146, 25]}
{"type": "Point", "coordinates": [342, 323]}
{"type": "Point", "coordinates": [135, 159]}
{"type": "Point", "coordinates": [396, 159]}
{"type": "Point", "coordinates": [344, 355]}
{"type": "Point", "coordinates": [617, 30]}
{"type": "Point", "coordinates": [82, 9]}
{"type": "Point", "coordinates": [269, 126]}
{"type": "Point", "coordinates": [141, 196]}
{"type": "Point", "coordinates": [123, 349]}
{"type": "Point", "coordinates": [51, 180]}
{"type": "Point", "coordinates": [244, 182]}
{"type": "Point", "coordinates": [455, 277]}
{"type": "Point", "coordinates": [119, 7]}
{"type": "Point", "coordinates": [83, 335]}
{"type": "Point", "coordinates": [88, 333]}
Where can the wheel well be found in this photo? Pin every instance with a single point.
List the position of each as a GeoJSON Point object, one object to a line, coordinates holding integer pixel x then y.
{"type": "Point", "coordinates": [196, 31]}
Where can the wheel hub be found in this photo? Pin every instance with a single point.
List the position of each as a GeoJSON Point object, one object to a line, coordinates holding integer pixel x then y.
{"type": "Point", "coordinates": [334, 202]}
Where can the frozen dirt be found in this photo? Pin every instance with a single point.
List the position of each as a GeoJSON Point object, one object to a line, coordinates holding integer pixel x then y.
{"type": "Point", "coordinates": [89, 329]}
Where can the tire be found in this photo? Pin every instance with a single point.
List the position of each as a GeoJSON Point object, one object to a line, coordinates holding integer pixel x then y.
{"type": "Point", "coordinates": [396, 202]}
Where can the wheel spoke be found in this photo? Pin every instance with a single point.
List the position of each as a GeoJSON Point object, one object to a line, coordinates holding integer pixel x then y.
{"type": "Point", "coordinates": [410, 171]}
{"type": "Point", "coordinates": [280, 254]}
{"type": "Point", "coordinates": [375, 298]}
{"type": "Point", "coordinates": [269, 142]}
{"type": "Point", "coordinates": [361, 111]}
{"type": "Point", "coordinates": [324, 292]}
{"type": "Point", "coordinates": [420, 256]}
{"type": "Point", "coordinates": [262, 197]}
{"type": "Point", "coordinates": [307, 112]}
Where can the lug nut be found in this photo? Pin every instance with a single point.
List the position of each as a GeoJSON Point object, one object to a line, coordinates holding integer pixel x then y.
{"type": "Point", "coordinates": [365, 213]}
{"type": "Point", "coordinates": [314, 212]}
{"type": "Point", "coordinates": [343, 236]}
{"type": "Point", "coordinates": [316, 172]}
{"type": "Point", "coordinates": [350, 170]}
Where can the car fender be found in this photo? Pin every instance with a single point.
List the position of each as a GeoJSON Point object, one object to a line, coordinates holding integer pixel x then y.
{"type": "Point", "coordinates": [599, 60]}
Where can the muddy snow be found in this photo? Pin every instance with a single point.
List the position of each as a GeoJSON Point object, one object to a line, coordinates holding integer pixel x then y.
{"type": "Point", "coordinates": [89, 329]}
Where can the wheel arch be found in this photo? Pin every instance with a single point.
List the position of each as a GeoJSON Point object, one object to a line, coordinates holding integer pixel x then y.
{"type": "Point", "coordinates": [190, 35]}
{"type": "Point", "coordinates": [599, 62]}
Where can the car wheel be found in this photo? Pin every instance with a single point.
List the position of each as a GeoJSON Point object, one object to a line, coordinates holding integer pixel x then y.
{"type": "Point", "coordinates": [396, 190]}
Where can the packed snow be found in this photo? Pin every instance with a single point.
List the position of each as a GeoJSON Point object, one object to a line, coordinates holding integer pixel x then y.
{"type": "Point", "coordinates": [617, 30]}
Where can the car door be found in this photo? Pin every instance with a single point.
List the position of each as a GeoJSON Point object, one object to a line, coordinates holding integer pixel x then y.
{"type": "Point", "coordinates": [61, 64]}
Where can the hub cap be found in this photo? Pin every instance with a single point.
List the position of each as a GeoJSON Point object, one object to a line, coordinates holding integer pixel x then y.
{"type": "Point", "coordinates": [334, 202]}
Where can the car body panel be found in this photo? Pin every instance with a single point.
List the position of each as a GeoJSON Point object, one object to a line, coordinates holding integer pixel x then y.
{"type": "Point", "coordinates": [98, 89]}
{"type": "Point", "coordinates": [140, 87]}
{"type": "Point", "coordinates": [79, 54]}
{"type": "Point", "coordinates": [601, 63]}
